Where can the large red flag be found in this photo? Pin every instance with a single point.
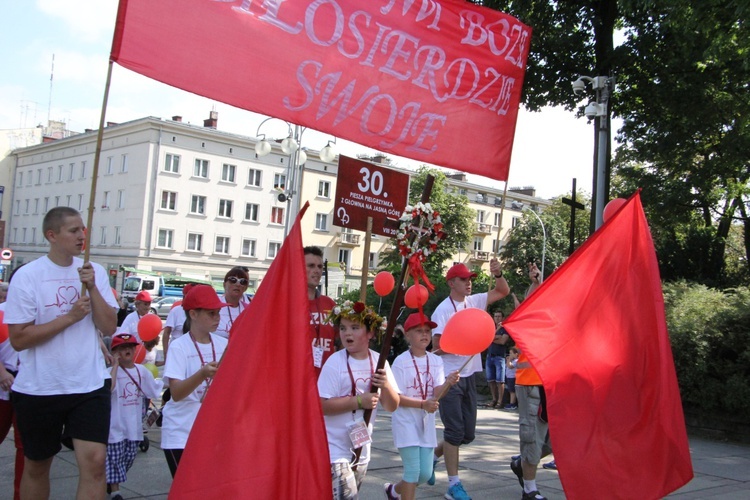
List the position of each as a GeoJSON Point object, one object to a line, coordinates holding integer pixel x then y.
{"type": "Point", "coordinates": [596, 334]}
{"type": "Point", "coordinates": [260, 432]}
{"type": "Point", "coordinates": [425, 79]}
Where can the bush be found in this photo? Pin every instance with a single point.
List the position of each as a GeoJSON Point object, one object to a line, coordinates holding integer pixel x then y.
{"type": "Point", "coordinates": [710, 335]}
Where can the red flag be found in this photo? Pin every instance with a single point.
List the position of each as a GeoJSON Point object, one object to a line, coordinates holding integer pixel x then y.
{"type": "Point", "coordinates": [410, 78]}
{"type": "Point", "coordinates": [596, 334]}
{"type": "Point", "coordinates": [260, 431]}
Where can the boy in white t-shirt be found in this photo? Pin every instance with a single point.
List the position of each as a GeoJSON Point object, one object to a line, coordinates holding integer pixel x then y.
{"type": "Point", "coordinates": [421, 378]}
{"type": "Point", "coordinates": [130, 383]}
{"type": "Point", "coordinates": [344, 388]}
{"type": "Point", "coordinates": [63, 379]}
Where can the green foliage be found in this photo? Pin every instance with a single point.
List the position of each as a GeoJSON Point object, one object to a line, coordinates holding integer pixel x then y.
{"type": "Point", "coordinates": [710, 335]}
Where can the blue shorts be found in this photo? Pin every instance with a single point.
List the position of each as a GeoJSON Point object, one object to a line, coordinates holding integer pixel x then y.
{"type": "Point", "coordinates": [495, 369]}
{"type": "Point", "coordinates": [510, 384]}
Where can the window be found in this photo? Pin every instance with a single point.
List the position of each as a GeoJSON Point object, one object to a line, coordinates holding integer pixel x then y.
{"type": "Point", "coordinates": [46, 204]}
{"type": "Point", "coordinates": [118, 233]}
{"type": "Point", "coordinates": [478, 243]}
{"type": "Point", "coordinates": [279, 181]}
{"type": "Point", "coordinates": [120, 198]}
{"type": "Point", "coordinates": [321, 222]}
{"type": "Point", "coordinates": [516, 221]}
{"type": "Point", "coordinates": [103, 238]}
{"type": "Point", "coordinates": [273, 249]}
{"type": "Point", "coordinates": [26, 207]}
{"type": "Point", "coordinates": [20, 179]}
{"type": "Point", "coordinates": [39, 177]}
{"type": "Point", "coordinates": [110, 163]}
{"type": "Point", "coordinates": [59, 173]}
{"type": "Point", "coordinates": [251, 212]}
{"type": "Point", "coordinates": [372, 260]}
{"type": "Point", "coordinates": [105, 200]}
{"type": "Point", "coordinates": [80, 202]}
{"type": "Point", "coordinates": [228, 172]}
{"type": "Point", "coordinates": [341, 289]}
{"type": "Point", "coordinates": [480, 215]}
{"type": "Point", "coordinates": [124, 164]}
{"type": "Point", "coordinates": [17, 211]}
{"type": "Point", "coordinates": [198, 205]}
{"type": "Point", "coordinates": [23, 238]}
{"type": "Point", "coordinates": [201, 169]}
{"type": "Point", "coordinates": [29, 177]}
{"type": "Point", "coordinates": [324, 189]}
{"type": "Point", "coordinates": [67, 201]}
{"type": "Point", "coordinates": [36, 206]}
{"type": "Point", "coordinates": [497, 219]}
{"type": "Point", "coordinates": [225, 208]}
{"type": "Point", "coordinates": [33, 236]}
{"type": "Point", "coordinates": [49, 175]}
{"type": "Point", "coordinates": [165, 239]}
{"type": "Point", "coordinates": [172, 163]}
{"type": "Point", "coordinates": [71, 168]}
{"type": "Point", "coordinates": [168, 200]}
{"type": "Point", "coordinates": [248, 247]}
{"type": "Point", "coordinates": [83, 170]}
{"type": "Point", "coordinates": [222, 244]}
{"type": "Point", "coordinates": [57, 199]}
{"type": "Point", "coordinates": [495, 246]}
{"type": "Point", "coordinates": [344, 258]}
{"type": "Point", "coordinates": [277, 215]}
{"type": "Point", "coordinates": [195, 242]}
{"type": "Point", "coordinates": [253, 178]}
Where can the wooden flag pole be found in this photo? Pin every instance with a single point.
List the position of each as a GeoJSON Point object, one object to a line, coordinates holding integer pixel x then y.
{"type": "Point", "coordinates": [365, 262]}
{"type": "Point", "coordinates": [500, 226]}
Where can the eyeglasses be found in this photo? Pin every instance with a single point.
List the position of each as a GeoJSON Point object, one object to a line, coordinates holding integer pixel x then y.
{"type": "Point", "coordinates": [242, 281]}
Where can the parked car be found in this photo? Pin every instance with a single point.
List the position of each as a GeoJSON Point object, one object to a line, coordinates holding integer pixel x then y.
{"type": "Point", "coordinates": [162, 306]}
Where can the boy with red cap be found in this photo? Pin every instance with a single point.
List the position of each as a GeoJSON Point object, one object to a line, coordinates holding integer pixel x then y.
{"type": "Point", "coordinates": [192, 363]}
{"type": "Point", "coordinates": [420, 375]}
{"type": "Point", "coordinates": [130, 383]}
{"type": "Point", "coordinates": [458, 410]}
{"type": "Point", "coordinates": [142, 304]}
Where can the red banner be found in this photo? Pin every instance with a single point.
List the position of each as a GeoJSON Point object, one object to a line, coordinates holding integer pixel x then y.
{"type": "Point", "coordinates": [596, 333]}
{"type": "Point", "coordinates": [433, 80]}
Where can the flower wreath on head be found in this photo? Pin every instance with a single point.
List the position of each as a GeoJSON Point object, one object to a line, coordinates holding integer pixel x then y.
{"type": "Point", "coordinates": [359, 313]}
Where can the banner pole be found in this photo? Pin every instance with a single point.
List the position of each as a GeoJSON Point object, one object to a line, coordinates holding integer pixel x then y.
{"type": "Point", "coordinates": [496, 251]}
{"type": "Point", "coordinates": [365, 262]}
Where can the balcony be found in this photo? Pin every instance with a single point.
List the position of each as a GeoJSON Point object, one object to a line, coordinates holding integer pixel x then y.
{"type": "Point", "coordinates": [480, 256]}
{"type": "Point", "coordinates": [483, 228]}
{"type": "Point", "coordinates": [348, 240]}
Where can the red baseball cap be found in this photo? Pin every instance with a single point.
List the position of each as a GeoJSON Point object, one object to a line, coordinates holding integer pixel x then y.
{"type": "Point", "coordinates": [122, 339]}
{"type": "Point", "coordinates": [186, 288]}
{"type": "Point", "coordinates": [459, 271]}
{"type": "Point", "coordinates": [202, 297]}
{"type": "Point", "coordinates": [416, 319]}
{"type": "Point", "coordinates": [143, 296]}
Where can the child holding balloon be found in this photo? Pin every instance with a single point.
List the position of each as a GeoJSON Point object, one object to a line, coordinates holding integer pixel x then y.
{"type": "Point", "coordinates": [345, 394]}
{"type": "Point", "coordinates": [422, 380]}
{"type": "Point", "coordinates": [130, 383]}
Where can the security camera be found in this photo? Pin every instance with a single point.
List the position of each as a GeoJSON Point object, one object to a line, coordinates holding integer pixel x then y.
{"type": "Point", "coordinates": [579, 86]}
{"type": "Point", "coordinates": [591, 111]}
{"type": "Point", "coordinates": [282, 197]}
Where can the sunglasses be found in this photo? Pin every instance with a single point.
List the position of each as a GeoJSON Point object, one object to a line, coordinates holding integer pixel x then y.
{"type": "Point", "coordinates": [242, 281]}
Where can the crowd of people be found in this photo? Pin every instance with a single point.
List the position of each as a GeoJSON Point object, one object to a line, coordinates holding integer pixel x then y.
{"type": "Point", "coordinates": [60, 382]}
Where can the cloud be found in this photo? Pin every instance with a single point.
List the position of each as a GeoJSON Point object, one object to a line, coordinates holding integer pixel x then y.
{"type": "Point", "coordinates": [88, 20]}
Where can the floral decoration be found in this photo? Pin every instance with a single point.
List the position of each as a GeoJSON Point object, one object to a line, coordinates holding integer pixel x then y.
{"type": "Point", "coordinates": [359, 313]}
{"type": "Point", "coordinates": [419, 231]}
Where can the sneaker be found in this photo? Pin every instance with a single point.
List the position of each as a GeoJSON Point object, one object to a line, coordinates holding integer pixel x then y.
{"type": "Point", "coordinates": [550, 465]}
{"type": "Point", "coordinates": [431, 481]}
{"type": "Point", "coordinates": [515, 466]}
{"type": "Point", "coordinates": [510, 407]}
{"type": "Point", "coordinates": [534, 495]}
{"type": "Point", "coordinates": [457, 492]}
{"type": "Point", "coordinates": [515, 457]}
{"type": "Point", "coordinates": [389, 493]}
{"type": "Point", "coordinates": [116, 496]}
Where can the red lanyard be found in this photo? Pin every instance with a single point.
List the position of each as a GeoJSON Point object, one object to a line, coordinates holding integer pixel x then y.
{"type": "Point", "coordinates": [422, 388]}
{"type": "Point", "coordinates": [231, 319]}
{"type": "Point", "coordinates": [137, 384]}
{"type": "Point", "coordinates": [454, 304]}
{"type": "Point", "coordinates": [318, 320]}
{"type": "Point", "coordinates": [351, 375]}
{"type": "Point", "coordinates": [200, 355]}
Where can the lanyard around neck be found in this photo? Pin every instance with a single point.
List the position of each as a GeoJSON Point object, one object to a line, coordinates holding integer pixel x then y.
{"type": "Point", "coordinates": [422, 387]}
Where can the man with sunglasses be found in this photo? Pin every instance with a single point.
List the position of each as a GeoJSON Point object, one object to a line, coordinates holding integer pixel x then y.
{"type": "Point", "coordinates": [322, 333]}
{"type": "Point", "coordinates": [236, 282]}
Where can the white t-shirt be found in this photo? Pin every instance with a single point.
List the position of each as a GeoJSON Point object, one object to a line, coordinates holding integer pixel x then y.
{"type": "Point", "coordinates": [414, 426]}
{"type": "Point", "coordinates": [130, 324]}
{"type": "Point", "coordinates": [334, 382]}
{"type": "Point", "coordinates": [125, 417]}
{"type": "Point", "coordinates": [229, 315]}
{"type": "Point", "coordinates": [182, 362]}
{"type": "Point", "coordinates": [175, 320]}
{"type": "Point", "coordinates": [71, 361]}
{"type": "Point", "coordinates": [8, 358]}
{"type": "Point", "coordinates": [442, 314]}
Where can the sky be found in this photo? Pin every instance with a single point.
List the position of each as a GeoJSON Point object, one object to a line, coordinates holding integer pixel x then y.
{"type": "Point", "coordinates": [551, 147]}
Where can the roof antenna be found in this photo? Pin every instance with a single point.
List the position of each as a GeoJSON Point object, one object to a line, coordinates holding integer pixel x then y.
{"type": "Point", "coordinates": [51, 78]}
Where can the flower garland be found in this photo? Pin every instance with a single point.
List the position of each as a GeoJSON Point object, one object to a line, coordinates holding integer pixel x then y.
{"type": "Point", "coordinates": [419, 231]}
{"type": "Point", "coordinates": [359, 313]}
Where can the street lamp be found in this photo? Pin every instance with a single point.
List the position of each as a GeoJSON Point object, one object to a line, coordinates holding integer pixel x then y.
{"type": "Point", "coordinates": [544, 236]}
{"type": "Point", "coordinates": [599, 112]}
{"type": "Point", "coordinates": [290, 145]}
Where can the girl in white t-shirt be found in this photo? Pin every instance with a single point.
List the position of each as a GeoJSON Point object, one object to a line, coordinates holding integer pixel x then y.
{"type": "Point", "coordinates": [344, 388]}
{"type": "Point", "coordinates": [421, 378]}
{"type": "Point", "coordinates": [192, 362]}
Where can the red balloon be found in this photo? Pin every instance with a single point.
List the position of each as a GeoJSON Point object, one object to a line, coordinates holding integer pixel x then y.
{"type": "Point", "coordinates": [177, 303]}
{"type": "Point", "coordinates": [468, 332]}
{"type": "Point", "coordinates": [383, 283]}
{"type": "Point", "coordinates": [140, 354]}
{"type": "Point", "coordinates": [416, 296]}
{"type": "Point", "coordinates": [3, 328]}
{"type": "Point", "coordinates": [149, 327]}
{"type": "Point", "coordinates": [612, 207]}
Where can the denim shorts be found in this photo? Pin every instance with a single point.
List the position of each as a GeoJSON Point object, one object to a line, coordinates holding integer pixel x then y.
{"type": "Point", "coordinates": [495, 369]}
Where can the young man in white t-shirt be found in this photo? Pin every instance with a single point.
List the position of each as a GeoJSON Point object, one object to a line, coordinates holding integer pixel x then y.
{"type": "Point", "coordinates": [63, 380]}
{"type": "Point", "coordinates": [458, 408]}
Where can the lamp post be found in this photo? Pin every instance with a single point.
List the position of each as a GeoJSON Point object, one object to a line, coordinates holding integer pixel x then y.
{"type": "Point", "coordinates": [598, 110]}
{"type": "Point", "coordinates": [295, 169]}
{"type": "Point", "coordinates": [544, 236]}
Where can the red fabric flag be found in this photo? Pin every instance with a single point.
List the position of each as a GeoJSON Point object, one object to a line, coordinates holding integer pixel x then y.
{"type": "Point", "coordinates": [260, 431]}
{"type": "Point", "coordinates": [413, 78]}
{"type": "Point", "coordinates": [596, 333]}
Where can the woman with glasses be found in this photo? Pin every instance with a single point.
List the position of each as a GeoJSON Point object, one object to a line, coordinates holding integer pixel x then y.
{"type": "Point", "coordinates": [236, 282]}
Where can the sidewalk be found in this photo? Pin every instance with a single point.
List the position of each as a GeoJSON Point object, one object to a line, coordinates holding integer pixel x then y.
{"type": "Point", "coordinates": [722, 470]}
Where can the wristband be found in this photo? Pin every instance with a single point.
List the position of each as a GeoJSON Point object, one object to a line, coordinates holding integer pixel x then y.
{"type": "Point", "coordinates": [498, 276]}
{"type": "Point", "coordinates": [359, 402]}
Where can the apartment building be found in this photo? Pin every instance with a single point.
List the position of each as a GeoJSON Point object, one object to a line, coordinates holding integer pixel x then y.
{"type": "Point", "coordinates": [176, 198]}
